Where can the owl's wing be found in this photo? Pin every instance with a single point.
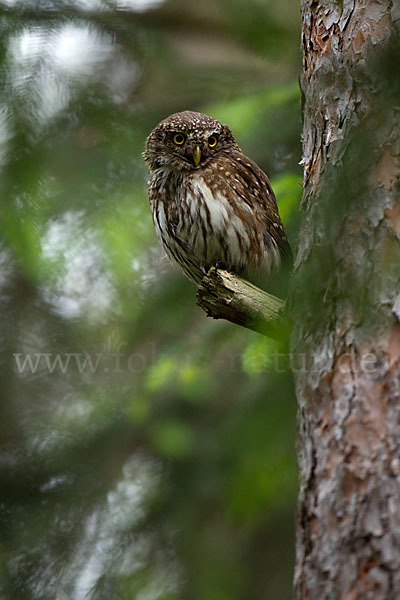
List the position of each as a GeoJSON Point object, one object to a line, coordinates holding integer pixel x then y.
{"type": "Point", "coordinates": [259, 195]}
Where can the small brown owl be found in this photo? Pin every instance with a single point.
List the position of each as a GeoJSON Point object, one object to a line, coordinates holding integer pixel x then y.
{"type": "Point", "coordinates": [212, 205]}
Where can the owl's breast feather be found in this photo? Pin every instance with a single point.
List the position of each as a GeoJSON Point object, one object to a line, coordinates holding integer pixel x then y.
{"type": "Point", "coordinates": [201, 224]}
{"type": "Point", "coordinates": [212, 228]}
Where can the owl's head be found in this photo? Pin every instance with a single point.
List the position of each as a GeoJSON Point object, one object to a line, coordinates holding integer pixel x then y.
{"type": "Point", "coordinates": [187, 141]}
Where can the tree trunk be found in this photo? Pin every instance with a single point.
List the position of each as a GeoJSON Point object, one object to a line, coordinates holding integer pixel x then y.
{"type": "Point", "coordinates": [346, 304]}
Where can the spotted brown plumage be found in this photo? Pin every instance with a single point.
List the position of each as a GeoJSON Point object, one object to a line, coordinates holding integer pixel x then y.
{"type": "Point", "coordinates": [211, 204]}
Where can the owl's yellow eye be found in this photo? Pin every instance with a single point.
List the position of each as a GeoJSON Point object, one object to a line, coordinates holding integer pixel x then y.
{"type": "Point", "coordinates": [212, 141]}
{"type": "Point", "coordinates": [179, 138]}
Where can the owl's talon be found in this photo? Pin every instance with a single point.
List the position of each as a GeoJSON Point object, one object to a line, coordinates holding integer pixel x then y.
{"type": "Point", "coordinates": [203, 270]}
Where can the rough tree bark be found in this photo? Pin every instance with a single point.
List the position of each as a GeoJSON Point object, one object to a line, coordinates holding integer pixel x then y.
{"type": "Point", "coordinates": [346, 304]}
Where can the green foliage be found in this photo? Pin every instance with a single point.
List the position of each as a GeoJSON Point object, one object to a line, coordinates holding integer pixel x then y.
{"type": "Point", "coordinates": [244, 113]}
{"type": "Point", "coordinates": [172, 439]}
{"type": "Point", "coordinates": [287, 187]}
{"type": "Point", "coordinates": [148, 451]}
{"type": "Point", "coordinates": [259, 354]}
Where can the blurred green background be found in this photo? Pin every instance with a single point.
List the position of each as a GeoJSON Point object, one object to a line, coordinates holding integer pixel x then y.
{"type": "Point", "coordinates": [146, 451]}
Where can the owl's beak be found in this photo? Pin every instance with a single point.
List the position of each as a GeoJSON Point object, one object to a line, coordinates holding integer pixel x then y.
{"type": "Point", "coordinates": [197, 155]}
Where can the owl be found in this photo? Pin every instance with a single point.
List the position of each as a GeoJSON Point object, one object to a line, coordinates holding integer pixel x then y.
{"type": "Point", "coordinates": [211, 204]}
